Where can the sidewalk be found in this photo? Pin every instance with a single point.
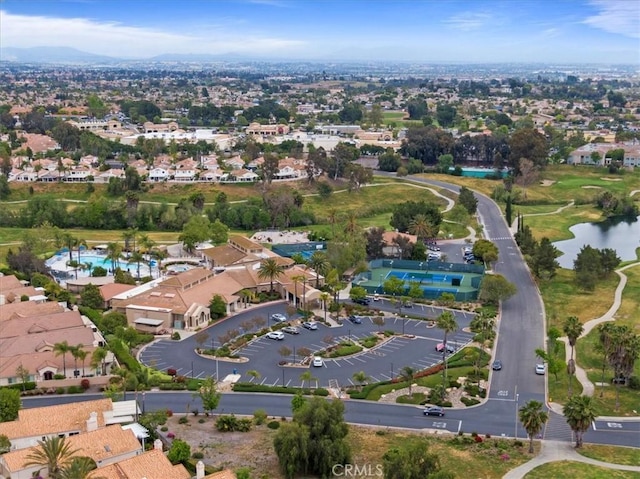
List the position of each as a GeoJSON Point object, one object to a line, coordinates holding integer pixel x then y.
{"type": "Point", "coordinates": [560, 451]}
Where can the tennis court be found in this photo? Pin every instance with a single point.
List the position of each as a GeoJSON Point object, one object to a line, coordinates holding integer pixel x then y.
{"type": "Point", "coordinates": [424, 278]}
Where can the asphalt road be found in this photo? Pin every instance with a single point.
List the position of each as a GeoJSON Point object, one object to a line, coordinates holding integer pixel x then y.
{"type": "Point", "coordinates": [520, 331]}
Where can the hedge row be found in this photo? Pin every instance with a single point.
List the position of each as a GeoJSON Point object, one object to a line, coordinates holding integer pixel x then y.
{"type": "Point", "coordinates": [262, 388]}
{"type": "Point", "coordinates": [123, 355]}
{"type": "Point", "coordinates": [27, 386]}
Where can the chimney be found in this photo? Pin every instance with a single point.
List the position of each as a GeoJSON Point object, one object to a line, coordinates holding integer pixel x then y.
{"type": "Point", "coordinates": [92, 422]}
{"type": "Point", "coordinates": [200, 470]}
{"type": "Point", "coordinates": [157, 444]}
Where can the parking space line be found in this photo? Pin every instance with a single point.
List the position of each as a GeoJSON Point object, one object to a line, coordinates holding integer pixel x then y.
{"type": "Point", "coordinates": [358, 358]}
{"type": "Point", "coordinates": [346, 360]}
{"type": "Point", "coordinates": [337, 363]}
{"type": "Point", "coordinates": [375, 379]}
{"type": "Point", "coordinates": [387, 378]}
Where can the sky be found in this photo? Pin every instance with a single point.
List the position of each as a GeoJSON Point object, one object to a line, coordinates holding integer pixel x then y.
{"type": "Point", "coordinates": [474, 31]}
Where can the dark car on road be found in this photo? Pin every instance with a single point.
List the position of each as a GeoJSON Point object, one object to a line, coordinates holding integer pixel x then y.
{"type": "Point", "coordinates": [497, 365]}
{"type": "Point", "coordinates": [363, 301]}
{"type": "Point", "coordinates": [355, 319]}
{"type": "Point", "coordinates": [433, 411]}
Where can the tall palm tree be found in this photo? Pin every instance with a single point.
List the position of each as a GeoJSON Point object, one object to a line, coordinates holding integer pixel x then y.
{"type": "Point", "coordinates": [130, 236]}
{"type": "Point", "coordinates": [297, 279]}
{"type": "Point", "coordinates": [54, 453]}
{"type": "Point", "coordinates": [81, 354]}
{"type": "Point", "coordinates": [324, 297]}
{"type": "Point", "coordinates": [605, 336]}
{"type": "Point", "coordinates": [137, 257]}
{"type": "Point", "coordinates": [579, 412]}
{"type": "Point", "coordinates": [573, 328]}
{"type": "Point", "coordinates": [271, 270]}
{"type": "Point", "coordinates": [533, 419]}
{"type": "Point", "coordinates": [69, 241]}
{"type": "Point", "coordinates": [447, 322]}
{"type": "Point", "coordinates": [159, 255]}
{"type": "Point", "coordinates": [114, 252]}
{"type": "Point", "coordinates": [80, 242]}
{"type": "Point", "coordinates": [62, 348]}
{"type": "Point", "coordinates": [320, 264]}
{"type": "Point", "coordinates": [74, 265]}
{"type": "Point", "coordinates": [333, 217]}
{"type": "Point", "coordinates": [406, 373]}
{"type": "Point", "coordinates": [98, 359]}
{"type": "Point", "coordinates": [76, 353]}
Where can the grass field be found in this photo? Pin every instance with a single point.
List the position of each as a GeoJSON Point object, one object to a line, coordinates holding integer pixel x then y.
{"type": "Point", "coordinates": [629, 456]}
{"type": "Point", "coordinates": [573, 470]}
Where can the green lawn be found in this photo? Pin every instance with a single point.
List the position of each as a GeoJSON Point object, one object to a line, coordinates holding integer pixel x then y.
{"type": "Point", "coordinates": [629, 456]}
{"type": "Point", "coordinates": [574, 470]}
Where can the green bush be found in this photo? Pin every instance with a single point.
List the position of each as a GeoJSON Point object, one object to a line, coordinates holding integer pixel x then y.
{"type": "Point", "coordinates": [369, 342]}
{"type": "Point", "coordinates": [121, 352]}
{"type": "Point", "coordinates": [175, 336]}
{"type": "Point", "coordinates": [197, 455]}
{"type": "Point", "coordinates": [345, 349]}
{"type": "Point", "coordinates": [74, 390]}
{"type": "Point", "coordinates": [263, 388]}
{"type": "Point", "coordinates": [230, 423]}
{"type": "Point", "coordinates": [259, 416]}
{"type": "Point", "coordinates": [27, 386]}
{"type": "Point", "coordinates": [164, 428]}
{"type": "Point", "coordinates": [634, 383]}
{"type": "Point", "coordinates": [172, 386]}
{"type": "Point", "coordinates": [60, 391]}
{"type": "Point", "coordinates": [183, 420]}
{"type": "Point", "coordinates": [273, 424]}
{"type": "Point", "coordinates": [467, 401]}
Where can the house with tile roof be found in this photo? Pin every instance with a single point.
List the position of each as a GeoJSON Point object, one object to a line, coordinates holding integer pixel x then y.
{"type": "Point", "coordinates": [105, 445]}
{"type": "Point", "coordinates": [150, 465]}
{"type": "Point", "coordinates": [38, 423]}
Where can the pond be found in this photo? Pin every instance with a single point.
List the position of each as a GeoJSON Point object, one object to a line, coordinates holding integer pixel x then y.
{"type": "Point", "coordinates": [620, 234]}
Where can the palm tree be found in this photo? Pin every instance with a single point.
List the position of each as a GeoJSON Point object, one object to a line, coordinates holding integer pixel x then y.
{"type": "Point", "coordinates": [254, 374]}
{"type": "Point", "coordinates": [79, 468]}
{"type": "Point", "coordinates": [74, 265]}
{"type": "Point", "coordinates": [98, 358]}
{"type": "Point", "coordinates": [62, 349]}
{"type": "Point", "coordinates": [447, 322]}
{"type": "Point", "coordinates": [324, 297]}
{"type": "Point", "coordinates": [297, 279]}
{"type": "Point", "coordinates": [114, 252]}
{"type": "Point", "coordinates": [332, 217]}
{"type": "Point", "coordinates": [320, 264]}
{"type": "Point", "coordinates": [270, 269]}
{"type": "Point", "coordinates": [80, 242]}
{"type": "Point", "coordinates": [406, 373]}
{"type": "Point", "coordinates": [484, 326]}
{"type": "Point", "coordinates": [533, 419]}
{"type": "Point", "coordinates": [573, 329]}
{"type": "Point", "coordinates": [69, 241]}
{"type": "Point", "coordinates": [306, 376]}
{"type": "Point", "coordinates": [137, 257]}
{"type": "Point", "coordinates": [54, 453]}
{"type": "Point", "coordinates": [421, 227]}
{"type": "Point", "coordinates": [76, 352]}
{"type": "Point", "coordinates": [580, 412]}
{"type": "Point", "coordinates": [130, 235]}
{"type": "Point", "coordinates": [361, 378]}
{"type": "Point", "coordinates": [81, 354]}
{"type": "Point", "coordinates": [159, 255]}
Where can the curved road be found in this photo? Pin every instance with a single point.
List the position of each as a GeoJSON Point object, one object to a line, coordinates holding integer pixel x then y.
{"type": "Point", "coordinates": [520, 331]}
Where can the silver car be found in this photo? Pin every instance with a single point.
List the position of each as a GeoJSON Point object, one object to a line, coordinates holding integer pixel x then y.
{"type": "Point", "coordinates": [279, 335]}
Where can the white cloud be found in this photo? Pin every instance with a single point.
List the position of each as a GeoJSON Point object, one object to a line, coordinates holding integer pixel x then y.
{"type": "Point", "coordinates": [616, 16]}
{"type": "Point", "coordinates": [117, 39]}
{"type": "Point", "coordinates": [468, 20]}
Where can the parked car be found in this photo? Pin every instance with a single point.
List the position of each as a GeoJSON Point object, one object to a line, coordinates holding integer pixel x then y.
{"type": "Point", "coordinates": [355, 319]}
{"type": "Point", "coordinates": [433, 411]}
{"type": "Point", "coordinates": [541, 369]}
{"type": "Point", "coordinates": [619, 380]}
{"type": "Point", "coordinates": [311, 325]}
{"type": "Point", "coordinates": [440, 347]}
{"type": "Point", "coordinates": [363, 301]}
{"type": "Point", "coordinates": [497, 365]}
{"type": "Point", "coordinates": [317, 361]}
{"type": "Point", "coordinates": [279, 318]}
{"type": "Point", "coordinates": [376, 297]}
{"type": "Point", "coordinates": [290, 330]}
{"type": "Point", "coordinates": [279, 335]}
{"type": "Point", "coordinates": [433, 247]}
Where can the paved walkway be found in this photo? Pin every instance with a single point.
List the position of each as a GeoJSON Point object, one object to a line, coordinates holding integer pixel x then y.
{"type": "Point", "coordinates": [553, 451]}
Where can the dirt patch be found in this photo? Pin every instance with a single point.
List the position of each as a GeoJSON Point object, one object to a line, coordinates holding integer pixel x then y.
{"type": "Point", "coordinates": [610, 179]}
{"type": "Point", "coordinates": [592, 187]}
{"type": "Point", "coordinates": [547, 182]}
{"type": "Point", "coordinates": [230, 450]}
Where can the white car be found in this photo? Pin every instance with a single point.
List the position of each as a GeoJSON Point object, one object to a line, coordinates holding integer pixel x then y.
{"type": "Point", "coordinates": [279, 335]}
{"type": "Point", "coordinates": [541, 369]}
{"type": "Point", "coordinates": [279, 318]}
{"type": "Point", "coordinates": [317, 361]}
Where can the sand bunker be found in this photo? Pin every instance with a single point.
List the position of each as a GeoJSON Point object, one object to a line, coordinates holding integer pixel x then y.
{"type": "Point", "coordinates": [547, 182]}
{"type": "Point", "coordinates": [592, 187]}
{"type": "Point", "coordinates": [610, 179]}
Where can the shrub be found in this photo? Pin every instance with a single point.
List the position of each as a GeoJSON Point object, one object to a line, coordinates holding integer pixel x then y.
{"type": "Point", "coordinates": [171, 372]}
{"type": "Point", "coordinates": [85, 384]}
{"type": "Point", "coordinates": [60, 390]}
{"type": "Point", "coordinates": [74, 390]}
{"type": "Point", "coordinates": [230, 423]}
{"type": "Point", "coordinates": [634, 383]}
{"type": "Point", "coordinates": [175, 336]}
{"type": "Point", "coordinates": [467, 401]}
{"type": "Point", "coordinates": [197, 455]}
{"type": "Point", "coordinates": [183, 420]}
{"type": "Point", "coordinates": [518, 443]}
{"type": "Point", "coordinates": [477, 439]}
{"type": "Point", "coordinates": [273, 424]}
{"type": "Point", "coordinates": [164, 428]}
{"type": "Point", "coordinates": [259, 416]}
{"type": "Point", "coordinates": [58, 376]}
{"type": "Point", "coordinates": [123, 355]}
{"type": "Point", "coordinates": [171, 435]}
{"type": "Point", "coordinates": [169, 413]}
{"type": "Point", "coordinates": [201, 421]}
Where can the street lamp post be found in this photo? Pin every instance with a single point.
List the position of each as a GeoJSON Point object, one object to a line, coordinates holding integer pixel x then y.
{"type": "Point", "coordinates": [283, 376]}
{"type": "Point", "coordinates": [391, 370]}
{"type": "Point", "coordinates": [516, 422]}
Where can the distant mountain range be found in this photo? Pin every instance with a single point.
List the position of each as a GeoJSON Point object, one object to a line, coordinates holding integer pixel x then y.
{"type": "Point", "coordinates": [66, 55]}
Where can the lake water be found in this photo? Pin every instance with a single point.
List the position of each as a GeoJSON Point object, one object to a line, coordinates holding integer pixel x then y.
{"type": "Point", "coordinates": [618, 234]}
